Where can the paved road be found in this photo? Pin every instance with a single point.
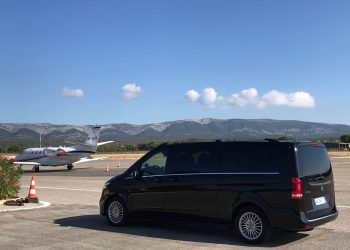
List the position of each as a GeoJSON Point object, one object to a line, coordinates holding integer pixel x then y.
{"type": "Point", "coordinates": [82, 185]}
{"type": "Point", "coordinates": [73, 220]}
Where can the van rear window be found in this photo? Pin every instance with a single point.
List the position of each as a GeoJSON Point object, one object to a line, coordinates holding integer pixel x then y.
{"type": "Point", "coordinates": [313, 160]}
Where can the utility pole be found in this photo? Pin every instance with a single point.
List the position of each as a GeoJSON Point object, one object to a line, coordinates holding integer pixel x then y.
{"type": "Point", "coordinates": [40, 137]}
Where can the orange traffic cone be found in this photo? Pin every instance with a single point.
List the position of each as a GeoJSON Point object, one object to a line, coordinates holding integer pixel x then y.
{"type": "Point", "coordinates": [107, 169]}
{"type": "Point", "coordinates": [32, 198]}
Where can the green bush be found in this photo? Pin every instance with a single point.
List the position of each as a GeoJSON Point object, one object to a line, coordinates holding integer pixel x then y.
{"type": "Point", "coordinates": [9, 179]}
{"type": "Point", "coordinates": [13, 149]}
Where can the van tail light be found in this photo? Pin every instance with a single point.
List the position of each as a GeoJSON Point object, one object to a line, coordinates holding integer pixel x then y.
{"type": "Point", "coordinates": [297, 192]}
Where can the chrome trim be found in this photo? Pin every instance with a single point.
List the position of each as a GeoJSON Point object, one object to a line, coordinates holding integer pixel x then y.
{"type": "Point", "coordinates": [251, 173]}
{"type": "Point", "coordinates": [237, 173]}
{"type": "Point", "coordinates": [320, 183]}
{"type": "Point", "coordinates": [321, 218]}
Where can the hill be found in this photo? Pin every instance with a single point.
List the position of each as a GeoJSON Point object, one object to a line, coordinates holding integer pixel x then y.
{"type": "Point", "coordinates": [27, 134]}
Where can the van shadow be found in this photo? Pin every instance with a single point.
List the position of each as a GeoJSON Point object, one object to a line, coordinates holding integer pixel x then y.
{"type": "Point", "coordinates": [174, 230]}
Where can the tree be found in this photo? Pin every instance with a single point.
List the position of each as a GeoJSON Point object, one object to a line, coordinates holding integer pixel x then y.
{"type": "Point", "coordinates": [284, 138]}
{"type": "Point", "coordinates": [13, 149]}
{"type": "Point", "coordinates": [345, 138]}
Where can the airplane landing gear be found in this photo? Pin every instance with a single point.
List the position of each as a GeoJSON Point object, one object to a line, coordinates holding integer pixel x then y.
{"type": "Point", "coordinates": [36, 168]}
{"type": "Point", "coordinates": [70, 166]}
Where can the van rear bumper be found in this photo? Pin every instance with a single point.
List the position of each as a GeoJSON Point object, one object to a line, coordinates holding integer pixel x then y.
{"type": "Point", "coordinates": [319, 221]}
{"type": "Point", "coordinates": [287, 219]}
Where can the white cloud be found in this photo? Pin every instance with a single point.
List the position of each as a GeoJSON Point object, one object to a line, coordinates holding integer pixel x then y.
{"type": "Point", "coordinates": [296, 99]}
{"type": "Point", "coordinates": [192, 95]}
{"type": "Point", "coordinates": [243, 98]}
{"type": "Point", "coordinates": [72, 92]}
{"type": "Point", "coordinates": [249, 97]}
{"type": "Point", "coordinates": [209, 97]}
{"type": "Point", "coordinates": [131, 91]}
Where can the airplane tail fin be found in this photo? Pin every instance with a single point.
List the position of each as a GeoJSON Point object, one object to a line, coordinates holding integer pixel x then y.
{"type": "Point", "coordinates": [90, 144]}
{"type": "Point", "coordinates": [93, 136]}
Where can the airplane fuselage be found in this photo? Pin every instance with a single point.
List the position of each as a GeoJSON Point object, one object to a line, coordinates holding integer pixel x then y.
{"type": "Point", "coordinates": [51, 156]}
{"type": "Point", "coordinates": [58, 156]}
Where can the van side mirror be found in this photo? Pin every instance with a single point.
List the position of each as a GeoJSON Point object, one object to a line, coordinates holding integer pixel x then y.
{"type": "Point", "coordinates": [138, 173]}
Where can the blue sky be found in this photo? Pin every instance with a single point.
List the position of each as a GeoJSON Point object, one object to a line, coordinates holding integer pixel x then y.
{"type": "Point", "coordinates": [98, 62]}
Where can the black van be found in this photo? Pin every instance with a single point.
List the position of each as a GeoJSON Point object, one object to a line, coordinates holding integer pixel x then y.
{"type": "Point", "coordinates": [256, 186]}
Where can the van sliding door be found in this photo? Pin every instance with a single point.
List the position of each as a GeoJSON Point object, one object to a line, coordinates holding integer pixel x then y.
{"type": "Point", "coordinates": [191, 180]}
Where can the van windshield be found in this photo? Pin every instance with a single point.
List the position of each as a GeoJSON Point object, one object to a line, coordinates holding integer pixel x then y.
{"type": "Point", "coordinates": [313, 160]}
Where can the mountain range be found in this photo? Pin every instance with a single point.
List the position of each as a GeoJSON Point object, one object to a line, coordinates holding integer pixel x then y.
{"type": "Point", "coordinates": [27, 134]}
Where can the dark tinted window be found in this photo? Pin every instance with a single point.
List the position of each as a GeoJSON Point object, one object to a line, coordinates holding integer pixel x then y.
{"type": "Point", "coordinates": [192, 158]}
{"type": "Point", "coordinates": [255, 157]}
{"type": "Point", "coordinates": [312, 160]}
{"type": "Point", "coordinates": [155, 165]}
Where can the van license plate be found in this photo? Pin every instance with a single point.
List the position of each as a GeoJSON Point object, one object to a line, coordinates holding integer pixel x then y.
{"type": "Point", "coordinates": [319, 200]}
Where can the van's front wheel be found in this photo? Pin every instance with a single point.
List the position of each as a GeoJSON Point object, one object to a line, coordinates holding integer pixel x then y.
{"type": "Point", "coordinates": [252, 225]}
{"type": "Point", "coordinates": [116, 212]}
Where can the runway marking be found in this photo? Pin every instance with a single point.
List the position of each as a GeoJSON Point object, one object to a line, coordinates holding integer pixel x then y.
{"type": "Point", "coordinates": [68, 189]}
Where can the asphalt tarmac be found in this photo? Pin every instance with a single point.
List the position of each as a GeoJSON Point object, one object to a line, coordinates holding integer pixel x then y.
{"type": "Point", "coordinates": [73, 220]}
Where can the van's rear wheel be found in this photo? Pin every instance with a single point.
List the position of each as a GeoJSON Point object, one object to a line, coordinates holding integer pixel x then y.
{"type": "Point", "coordinates": [252, 225]}
{"type": "Point", "coordinates": [116, 212]}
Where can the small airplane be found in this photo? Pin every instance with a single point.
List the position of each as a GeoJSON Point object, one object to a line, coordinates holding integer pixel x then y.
{"type": "Point", "coordinates": [58, 156]}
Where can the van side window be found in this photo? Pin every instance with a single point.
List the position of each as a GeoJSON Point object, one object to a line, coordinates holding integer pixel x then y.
{"type": "Point", "coordinates": [192, 159]}
{"type": "Point", "coordinates": [155, 165]}
{"type": "Point", "coordinates": [253, 158]}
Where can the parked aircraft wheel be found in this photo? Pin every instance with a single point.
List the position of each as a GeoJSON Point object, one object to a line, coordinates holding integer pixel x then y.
{"type": "Point", "coordinates": [117, 212]}
{"type": "Point", "coordinates": [36, 169]}
{"type": "Point", "coordinates": [69, 167]}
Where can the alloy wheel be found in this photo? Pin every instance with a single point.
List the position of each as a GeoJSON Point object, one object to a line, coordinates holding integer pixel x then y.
{"type": "Point", "coordinates": [250, 226]}
{"type": "Point", "coordinates": [115, 212]}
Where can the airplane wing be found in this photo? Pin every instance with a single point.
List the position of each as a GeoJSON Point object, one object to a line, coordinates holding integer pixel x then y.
{"type": "Point", "coordinates": [25, 163]}
{"type": "Point", "coordinates": [104, 142]}
{"type": "Point", "coordinates": [79, 143]}
{"type": "Point", "coordinates": [86, 159]}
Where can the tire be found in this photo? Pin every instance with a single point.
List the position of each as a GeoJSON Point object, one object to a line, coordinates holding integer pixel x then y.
{"type": "Point", "coordinates": [36, 169]}
{"type": "Point", "coordinates": [69, 167]}
{"type": "Point", "coordinates": [252, 225]}
{"type": "Point", "coordinates": [116, 212]}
